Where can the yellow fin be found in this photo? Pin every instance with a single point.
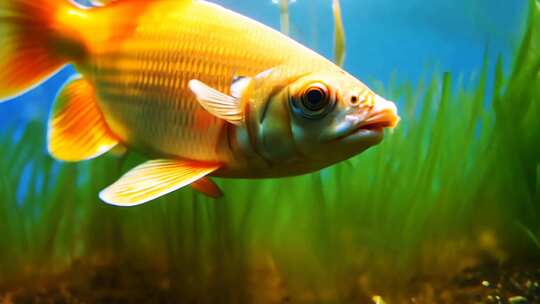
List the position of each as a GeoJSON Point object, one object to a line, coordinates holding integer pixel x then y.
{"type": "Point", "coordinates": [154, 179]}
{"type": "Point", "coordinates": [77, 130]}
{"type": "Point", "coordinates": [221, 105]}
{"type": "Point", "coordinates": [29, 35]}
{"type": "Point", "coordinates": [100, 3]}
{"type": "Point", "coordinates": [207, 187]}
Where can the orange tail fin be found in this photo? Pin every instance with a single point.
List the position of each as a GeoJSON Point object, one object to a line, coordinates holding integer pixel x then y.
{"type": "Point", "coordinates": [30, 40]}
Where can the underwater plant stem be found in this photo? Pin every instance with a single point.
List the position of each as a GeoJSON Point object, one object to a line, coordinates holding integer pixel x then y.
{"type": "Point", "coordinates": [339, 34]}
{"type": "Point", "coordinates": [532, 237]}
{"type": "Point", "coordinates": [284, 16]}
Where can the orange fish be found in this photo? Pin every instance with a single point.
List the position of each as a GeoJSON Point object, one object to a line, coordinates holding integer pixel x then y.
{"type": "Point", "coordinates": [201, 90]}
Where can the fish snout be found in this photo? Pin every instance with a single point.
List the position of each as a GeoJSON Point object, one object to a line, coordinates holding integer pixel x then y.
{"type": "Point", "coordinates": [383, 114]}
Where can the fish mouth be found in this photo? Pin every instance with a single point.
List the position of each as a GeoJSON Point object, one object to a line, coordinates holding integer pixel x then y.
{"type": "Point", "coordinates": [387, 118]}
{"type": "Point", "coordinates": [376, 122]}
{"type": "Point", "coordinates": [366, 126]}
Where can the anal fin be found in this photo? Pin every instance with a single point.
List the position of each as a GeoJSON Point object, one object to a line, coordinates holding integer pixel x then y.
{"type": "Point", "coordinates": [154, 179]}
{"type": "Point", "coordinates": [77, 129]}
{"type": "Point", "coordinates": [207, 187]}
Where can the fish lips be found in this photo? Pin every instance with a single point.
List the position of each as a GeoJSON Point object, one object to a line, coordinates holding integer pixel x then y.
{"type": "Point", "coordinates": [367, 127]}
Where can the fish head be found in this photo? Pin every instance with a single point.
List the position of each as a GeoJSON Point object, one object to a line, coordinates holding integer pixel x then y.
{"type": "Point", "coordinates": [321, 118]}
{"type": "Point", "coordinates": [335, 116]}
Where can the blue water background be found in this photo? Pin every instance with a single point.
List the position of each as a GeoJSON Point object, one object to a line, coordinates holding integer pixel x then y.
{"type": "Point", "coordinates": [407, 37]}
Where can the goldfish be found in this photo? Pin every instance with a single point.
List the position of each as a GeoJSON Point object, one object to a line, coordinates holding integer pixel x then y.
{"type": "Point", "coordinates": [200, 90]}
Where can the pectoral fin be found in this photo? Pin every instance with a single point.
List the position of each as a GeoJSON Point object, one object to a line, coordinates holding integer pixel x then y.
{"type": "Point", "coordinates": [241, 86]}
{"type": "Point", "coordinates": [221, 105]}
{"type": "Point", "coordinates": [154, 179]}
{"type": "Point", "coordinates": [77, 130]}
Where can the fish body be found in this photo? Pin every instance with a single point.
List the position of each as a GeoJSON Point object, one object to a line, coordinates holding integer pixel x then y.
{"type": "Point", "coordinates": [142, 79]}
{"type": "Point", "coordinates": [201, 89]}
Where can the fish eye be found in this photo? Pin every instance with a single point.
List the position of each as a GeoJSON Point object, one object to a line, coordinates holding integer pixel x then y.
{"type": "Point", "coordinates": [315, 98]}
{"type": "Point", "coordinates": [315, 101]}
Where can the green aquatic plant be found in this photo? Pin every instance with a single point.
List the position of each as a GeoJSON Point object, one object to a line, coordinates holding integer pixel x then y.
{"type": "Point", "coordinates": [461, 169]}
{"type": "Point", "coordinates": [339, 34]}
{"type": "Point", "coordinates": [517, 130]}
{"type": "Point", "coordinates": [284, 16]}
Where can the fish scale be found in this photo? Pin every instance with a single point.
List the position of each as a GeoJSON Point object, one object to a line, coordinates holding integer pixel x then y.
{"type": "Point", "coordinates": [142, 80]}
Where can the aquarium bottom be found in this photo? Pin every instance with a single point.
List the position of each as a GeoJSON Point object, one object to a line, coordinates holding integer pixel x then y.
{"type": "Point", "coordinates": [513, 282]}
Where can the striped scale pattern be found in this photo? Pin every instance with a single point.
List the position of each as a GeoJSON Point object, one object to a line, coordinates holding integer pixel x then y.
{"type": "Point", "coordinates": [142, 79]}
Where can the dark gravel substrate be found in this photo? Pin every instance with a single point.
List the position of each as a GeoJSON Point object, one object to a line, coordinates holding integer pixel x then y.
{"type": "Point", "coordinates": [511, 282]}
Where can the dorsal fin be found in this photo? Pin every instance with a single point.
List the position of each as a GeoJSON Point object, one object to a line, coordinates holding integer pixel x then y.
{"type": "Point", "coordinates": [100, 3]}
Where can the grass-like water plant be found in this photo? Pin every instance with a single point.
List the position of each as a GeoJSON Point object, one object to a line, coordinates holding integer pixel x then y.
{"type": "Point", "coordinates": [458, 180]}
